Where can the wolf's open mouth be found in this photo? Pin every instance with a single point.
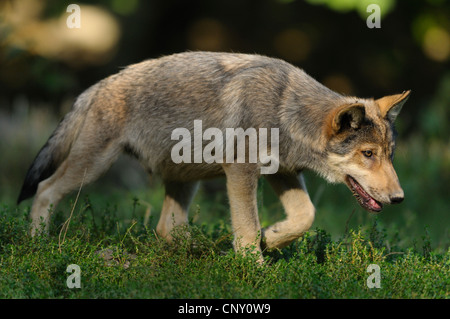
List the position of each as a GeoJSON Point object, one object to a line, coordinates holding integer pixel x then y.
{"type": "Point", "coordinates": [363, 198]}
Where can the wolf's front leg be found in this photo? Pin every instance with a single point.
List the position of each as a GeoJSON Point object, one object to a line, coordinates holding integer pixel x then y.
{"type": "Point", "coordinates": [298, 207]}
{"type": "Point", "coordinates": [242, 183]}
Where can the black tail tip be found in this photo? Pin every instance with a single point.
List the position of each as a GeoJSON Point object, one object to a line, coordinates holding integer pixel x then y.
{"type": "Point", "coordinates": [26, 192]}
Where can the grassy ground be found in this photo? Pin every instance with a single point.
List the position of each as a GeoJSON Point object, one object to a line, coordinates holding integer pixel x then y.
{"type": "Point", "coordinates": [127, 260]}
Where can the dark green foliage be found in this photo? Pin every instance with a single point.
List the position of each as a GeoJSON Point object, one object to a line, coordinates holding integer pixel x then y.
{"type": "Point", "coordinates": [201, 263]}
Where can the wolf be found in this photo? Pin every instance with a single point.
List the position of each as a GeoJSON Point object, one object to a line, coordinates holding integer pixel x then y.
{"type": "Point", "coordinates": [344, 139]}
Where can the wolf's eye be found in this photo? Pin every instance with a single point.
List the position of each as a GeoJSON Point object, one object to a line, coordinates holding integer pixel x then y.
{"type": "Point", "coordinates": [367, 153]}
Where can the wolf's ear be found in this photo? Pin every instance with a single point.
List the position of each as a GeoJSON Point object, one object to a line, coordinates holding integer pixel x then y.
{"type": "Point", "coordinates": [390, 106]}
{"type": "Point", "coordinates": [351, 115]}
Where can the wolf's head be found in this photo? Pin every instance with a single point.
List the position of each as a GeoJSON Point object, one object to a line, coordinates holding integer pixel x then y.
{"type": "Point", "coordinates": [360, 149]}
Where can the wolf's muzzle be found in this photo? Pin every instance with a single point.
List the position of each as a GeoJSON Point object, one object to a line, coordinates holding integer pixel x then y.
{"type": "Point", "coordinates": [396, 199]}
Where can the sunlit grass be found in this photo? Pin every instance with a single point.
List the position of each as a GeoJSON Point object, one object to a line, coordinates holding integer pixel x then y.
{"type": "Point", "coordinates": [121, 259]}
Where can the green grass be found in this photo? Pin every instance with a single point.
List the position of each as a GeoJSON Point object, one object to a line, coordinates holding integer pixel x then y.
{"type": "Point", "coordinates": [204, 264]}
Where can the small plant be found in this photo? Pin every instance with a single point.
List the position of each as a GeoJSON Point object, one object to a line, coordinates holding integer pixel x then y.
{"type": "Point", "coordinates": [426, 244]}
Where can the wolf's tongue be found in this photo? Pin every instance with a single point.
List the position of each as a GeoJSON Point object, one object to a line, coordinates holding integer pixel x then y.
{"type": "Point", "coordinates": [368, 200]}
{"type": "Point", "coordinates": [372, 203]}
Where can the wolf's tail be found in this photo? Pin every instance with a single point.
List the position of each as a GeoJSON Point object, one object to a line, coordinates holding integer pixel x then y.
{"type": "Point", "coordinates": [58, 146]}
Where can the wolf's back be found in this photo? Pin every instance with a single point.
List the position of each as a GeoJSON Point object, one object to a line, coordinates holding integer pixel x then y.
{"type": "Point", "coordinates": [58, 146]}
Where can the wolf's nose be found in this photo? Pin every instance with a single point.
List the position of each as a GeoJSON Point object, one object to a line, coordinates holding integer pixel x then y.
{"type": "Point", "coordinates": [396, 200]}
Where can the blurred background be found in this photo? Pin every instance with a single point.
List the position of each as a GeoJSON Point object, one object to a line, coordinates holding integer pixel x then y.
{"type": "Point", "coordinates": [44, 65]}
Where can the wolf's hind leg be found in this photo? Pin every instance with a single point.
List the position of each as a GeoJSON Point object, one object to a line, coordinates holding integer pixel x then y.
{"type": "Point", "coordinates": [81, 167]}
{"type": "Point", "coordinates": [175, 207]}
{"type": "Point", "coordinates": [298, 207]}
